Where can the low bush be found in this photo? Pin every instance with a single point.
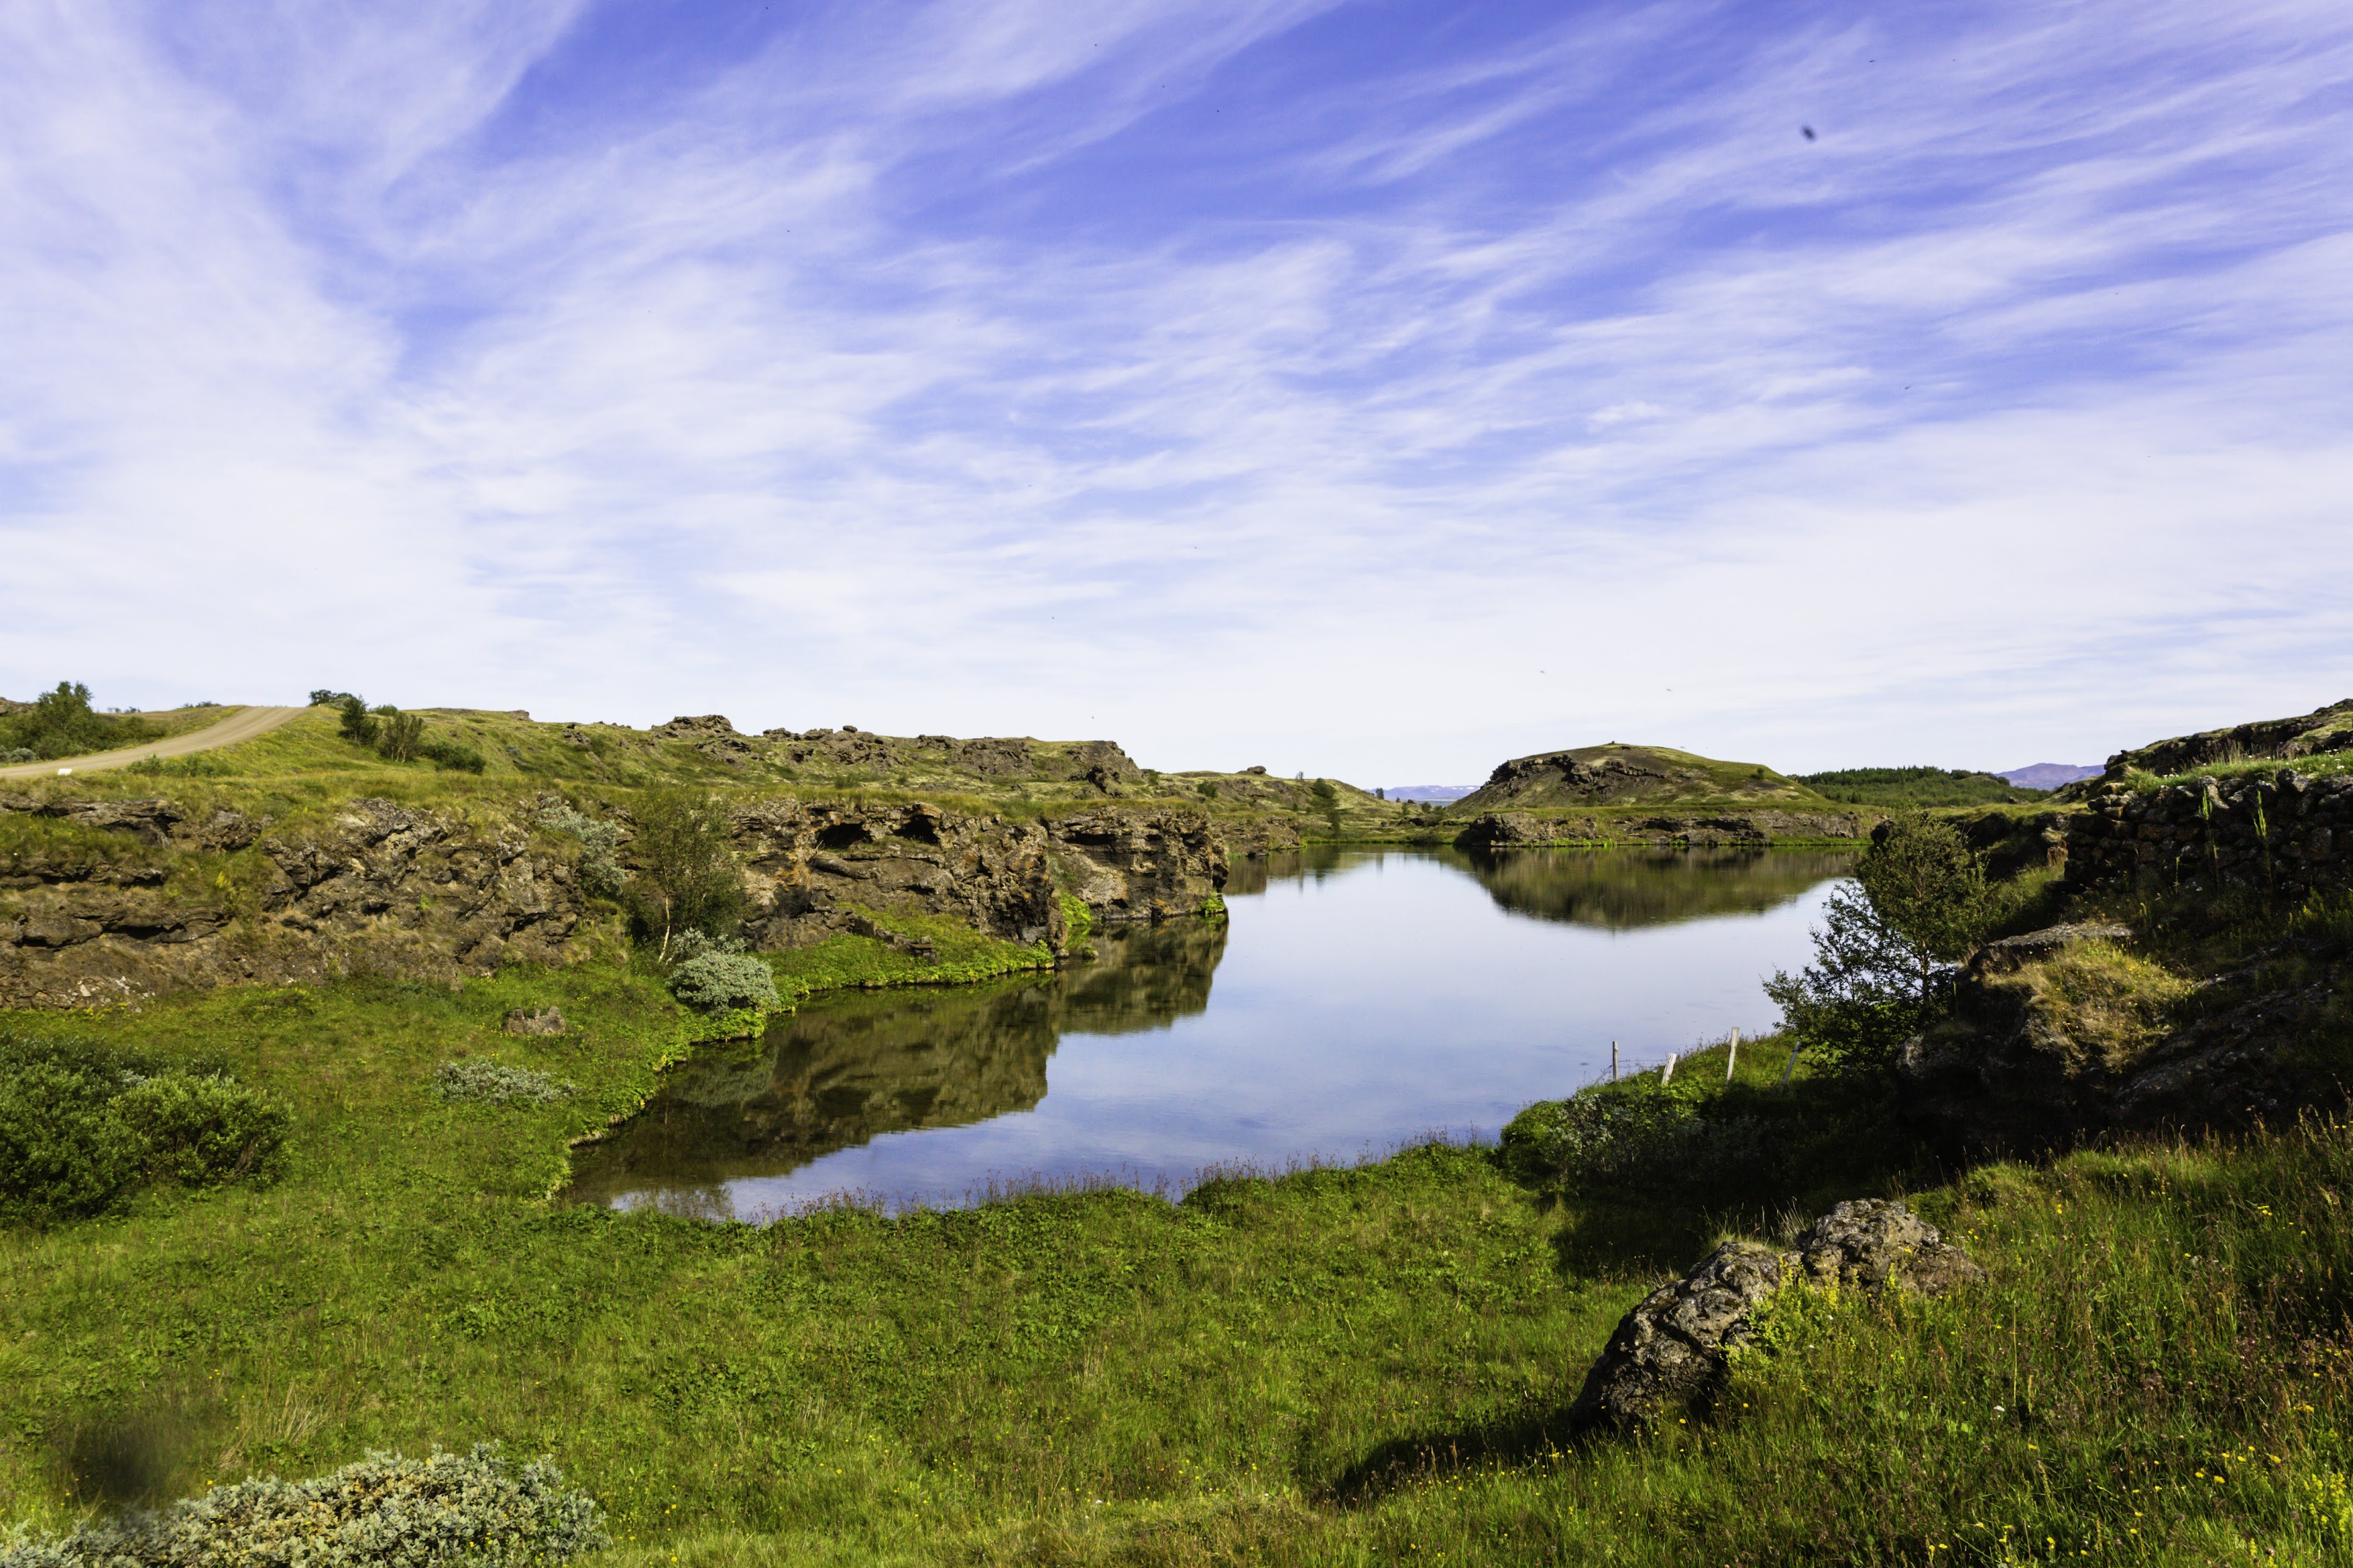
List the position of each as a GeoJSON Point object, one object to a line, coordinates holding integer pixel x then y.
{"type": "Point", "coordinates": [455, 756]}
{"type": "Point", "coordinates": [79, 1126]}
{"type": "Point", "coordinates": [601, 876]}
{"type": "Point", "coordinates": [435, 1513]}
{"type": "Point", "coordinates": [717, 980]}
{"type": "Point", "coordinates": [478, 1081]}
{"type": "Point", "coordinates": [204, 1131]}
{"type": "Point", "coordinates": [17, 754]}
{"type": "Point", "coordinates": [64, 1151]}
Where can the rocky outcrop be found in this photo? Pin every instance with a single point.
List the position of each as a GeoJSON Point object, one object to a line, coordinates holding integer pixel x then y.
{"type": "Point", "coordinates": [1519, 829]}
{"type": "Point", "coordinates": [117, 913]}
{"type": "Point", "coordinates": [2328, 729]}
{"type": "Point", "coordinates": [1671, 1350]}
{"type": "Point", "coordinates": [2060, 1035]}
{"type": "Point", "coordinates": [2285, 831]}
{"type": "Point", "coordinates": [380, 887]}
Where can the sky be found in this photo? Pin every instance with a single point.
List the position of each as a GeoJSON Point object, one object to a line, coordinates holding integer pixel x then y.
{"type": "Point", "coordinates": [1374, 389]}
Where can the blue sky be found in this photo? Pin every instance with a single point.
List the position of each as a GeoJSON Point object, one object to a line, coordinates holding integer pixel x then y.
{"type": "Point", "coordinates": [1374, 389]}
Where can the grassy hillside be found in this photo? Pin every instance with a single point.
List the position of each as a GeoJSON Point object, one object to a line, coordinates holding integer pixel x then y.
{"type": "Point", "coordinates": [309, 761]}
{"type": "Point", "coordinates": [1619, 775]}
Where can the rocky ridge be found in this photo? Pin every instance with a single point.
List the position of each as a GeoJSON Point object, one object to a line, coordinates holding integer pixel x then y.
{"type": "Point", "coordinates": [109, 901]}
{"type": "Point", "coordinates": [2327, 728]}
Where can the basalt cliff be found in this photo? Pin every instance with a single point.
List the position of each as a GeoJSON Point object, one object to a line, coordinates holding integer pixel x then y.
{"type": "Point", "coordinates": [110, 899]}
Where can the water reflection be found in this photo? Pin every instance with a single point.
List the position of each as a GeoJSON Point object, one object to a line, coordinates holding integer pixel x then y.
{"type": "Point", "coordinates": [846, 1070]}
{"type": "Point", "coordinates": [1364, 997]}
{"type": "Point", "coordinates": [1621, 889]}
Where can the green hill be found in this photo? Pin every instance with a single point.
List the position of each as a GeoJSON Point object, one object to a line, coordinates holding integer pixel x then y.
{"type": "Point", "coordinates": [1619, 775]}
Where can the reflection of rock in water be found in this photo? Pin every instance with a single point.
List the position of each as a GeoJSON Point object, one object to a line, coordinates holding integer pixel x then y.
{"type": "Point", "coordinates": [1617, 888]}
{"type": "Point", "coordinates": [847, 1069]}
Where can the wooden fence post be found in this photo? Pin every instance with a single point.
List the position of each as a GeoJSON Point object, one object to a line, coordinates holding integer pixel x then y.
{"type": "Point", "coordinates": [1732, 1057]}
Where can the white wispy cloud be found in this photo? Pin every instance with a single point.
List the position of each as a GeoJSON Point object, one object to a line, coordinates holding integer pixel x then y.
{"type": "Point", "coordinates": [1491, 398]}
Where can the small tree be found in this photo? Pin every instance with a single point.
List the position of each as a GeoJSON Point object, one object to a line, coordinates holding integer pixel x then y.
{"type": "Point", "coordinates": [1881, 955]}
{"type": "Point", "coordinates": [687, 877]}
{"type": "Point", "coordinates": [400, 736]}
{"type": "Point", "coordinates": [358, 723]}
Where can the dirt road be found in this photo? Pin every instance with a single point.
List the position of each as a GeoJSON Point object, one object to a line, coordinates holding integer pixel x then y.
{"type": "Point", "coordinates": [241, 724]}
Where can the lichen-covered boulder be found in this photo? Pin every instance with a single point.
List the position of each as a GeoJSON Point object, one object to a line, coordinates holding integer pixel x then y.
{"type": "Point", "coordinates": [1672, 1349]}
{"type": "Point", "coordinates": [1869, 1243]}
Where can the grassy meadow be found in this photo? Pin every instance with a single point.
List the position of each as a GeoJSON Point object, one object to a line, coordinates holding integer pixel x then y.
{"type": "Point", "coordinates": [1329, 1365]}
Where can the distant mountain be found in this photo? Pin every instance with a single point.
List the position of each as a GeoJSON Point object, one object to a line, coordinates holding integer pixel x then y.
{"type": "Point", "coordinates": [1438, 795]}
{"type": "Point", "coordinates": [2049, 775]}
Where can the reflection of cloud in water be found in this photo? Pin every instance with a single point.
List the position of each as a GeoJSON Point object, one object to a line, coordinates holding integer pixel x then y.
{"type": "Point", "coordinates": [1621, 889]}
{"type": "Point", "coordinates": [847, 1069]}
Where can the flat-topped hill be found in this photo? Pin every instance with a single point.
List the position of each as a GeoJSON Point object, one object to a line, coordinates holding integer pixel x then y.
{"type": "Point", "coordinates": [1619, 775]}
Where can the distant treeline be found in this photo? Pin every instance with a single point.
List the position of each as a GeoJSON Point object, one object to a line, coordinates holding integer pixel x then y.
{"type": "Point", "coordinates": [1917, 786]}
{"type": "Point", "coordinates": [61, 724]}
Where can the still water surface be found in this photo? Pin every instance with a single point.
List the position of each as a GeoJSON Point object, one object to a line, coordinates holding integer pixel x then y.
{"type": "Point", "coordinates": [1356, 1000]}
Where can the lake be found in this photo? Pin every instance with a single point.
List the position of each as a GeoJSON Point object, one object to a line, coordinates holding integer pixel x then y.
{"type": "Point", "coordinates": [1356, 1000]}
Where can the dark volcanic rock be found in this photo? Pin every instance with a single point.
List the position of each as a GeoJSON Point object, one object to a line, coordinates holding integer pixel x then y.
{"type": "Point", "coordinates": [1671, 1350]}
{"type": "Point", "coordinates": [1868, 1244]}
{"type": "Point", "coordinates": [388, 889]}
{"type": "Point", "coordinates": [2007, 1071]}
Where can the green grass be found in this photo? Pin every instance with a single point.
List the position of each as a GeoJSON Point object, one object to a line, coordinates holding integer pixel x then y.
{"type": "Point", "coordinates": [2320, 764]}
{"type": "Point", "coordinates": [1349, 1366]}
{"type": "Point", "coordinates": [962, 955]}
{"type": "Point", "coordinates": [1894, 787]}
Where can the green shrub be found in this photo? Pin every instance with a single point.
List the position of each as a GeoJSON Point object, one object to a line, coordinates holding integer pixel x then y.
{"type": "Point", "coordinates": [455, 756]}
{"type": "Point", "coordinates": [358, 723]}
{"type": "Point", "coordinates": [1884, 950]}
{"type": "Point", "coordinates": [201, 1131]}
{"type": "Point", "coordinates": [478, 1081]}
{"type": "Point", "coordinates": [601, 876]}
{"type": "Point", "coordinates": [717, 980]}
{"type": "Point", "coordinates": [437, 1512]}
{"type": "Point", "coordinates": [399, 736]}
{"type": "Point", "coordinates": [18, 754]}
{"type": "Point", "coordinates": [81, 1126]}
{"type": "Point", "coordinates": [64, 1151]}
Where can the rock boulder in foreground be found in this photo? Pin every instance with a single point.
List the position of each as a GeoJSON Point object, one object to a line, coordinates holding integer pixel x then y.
{"type": "Point", "coordinates": [1671, 1351]}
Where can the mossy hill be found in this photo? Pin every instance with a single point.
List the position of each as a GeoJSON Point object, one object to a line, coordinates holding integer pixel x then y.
{"type": "Point", "coordinates": [1620, 774]}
